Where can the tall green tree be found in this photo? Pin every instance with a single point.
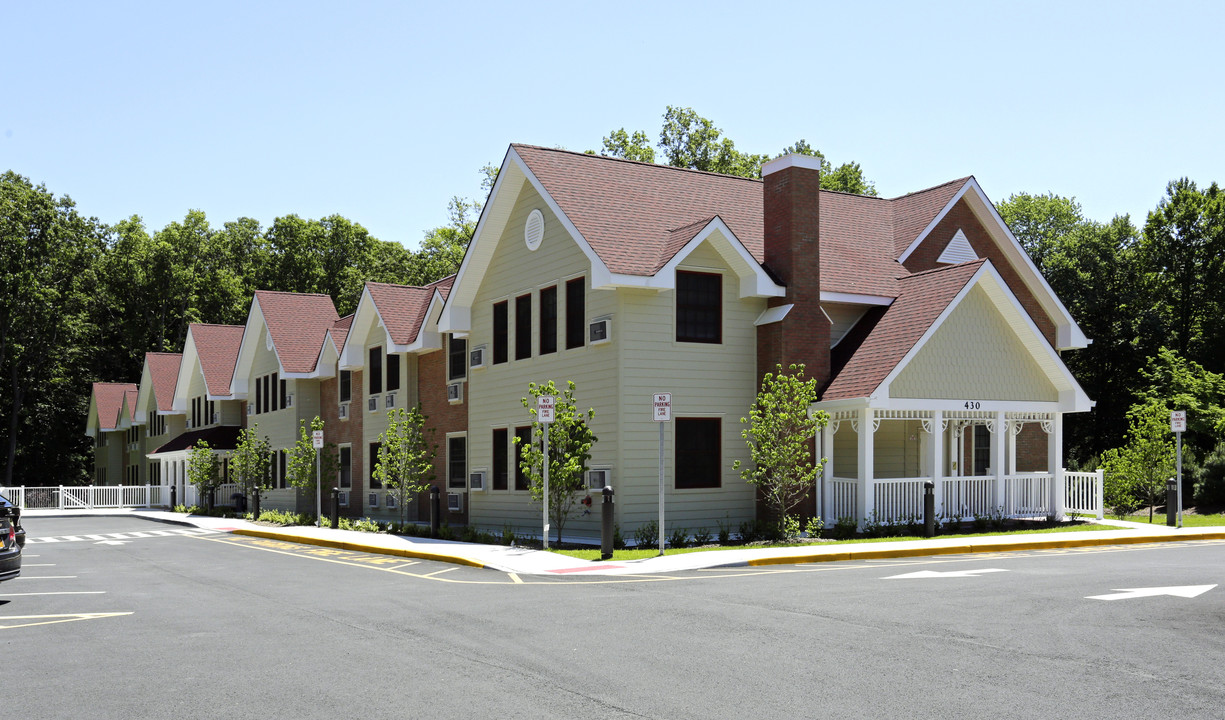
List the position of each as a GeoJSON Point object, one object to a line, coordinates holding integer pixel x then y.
{"type": "Point", "coordinates": [570, 441]}
{"type": "Point", "coordinates": [48, 257]}
{"type": "Point", "coordinates": [780, 434]}
{"type": "Point", "coordinates": [405, 464]}
{"type": "Point", "coordinates": [1041, 223]}
{"type": "Point", "coordinates": [1184, 248]}
{"type": "Point", "coordinates": [688, 140]}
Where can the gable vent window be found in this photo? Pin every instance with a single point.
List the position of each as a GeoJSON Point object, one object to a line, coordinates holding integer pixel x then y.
{"type": "Point", "coordinates": [958, 250]}
{"type": "Point", "coordinates": [533, 230]}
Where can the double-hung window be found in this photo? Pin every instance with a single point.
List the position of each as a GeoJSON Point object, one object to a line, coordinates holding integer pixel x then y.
{"type": "Point", "coordinates": [699, 307]}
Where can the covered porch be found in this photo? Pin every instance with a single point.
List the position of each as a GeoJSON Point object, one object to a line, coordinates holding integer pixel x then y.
{"type": "Point", "coordinates": [985, 460]}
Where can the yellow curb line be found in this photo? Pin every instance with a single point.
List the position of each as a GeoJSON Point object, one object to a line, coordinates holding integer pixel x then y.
{"type": "Point", "coordinates": [358, 547]}
{"type": "Point", "coordinates": [982, 547]}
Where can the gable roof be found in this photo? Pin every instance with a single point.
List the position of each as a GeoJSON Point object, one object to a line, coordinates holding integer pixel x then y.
{"type": "Point", "coordinates": [164, 372]}
{"type": "Point", "coordinates": [634, 219]}
{"type": "Point", "coordinates": [216, 351]}
{"type": "Point", "coordinates": [108, 401]}
{"type": "Point", "coordinates": [297, 324]}
{"type": "Point", "coordinates": [222, 437]}
{"type": "Point", "coordinates": [340, 331]}
{"type": "Point", "coordinates": [401, 308]}
{"type": "Point", "coordinates": [878, 349]}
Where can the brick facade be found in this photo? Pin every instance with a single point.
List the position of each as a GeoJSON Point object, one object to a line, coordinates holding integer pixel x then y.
{"type": "Point", "coordinates": [444, 417]}
{"type": "Point", "coordinates": [347, 431]}
{"type": "Point", "coordinates": [961, 217]}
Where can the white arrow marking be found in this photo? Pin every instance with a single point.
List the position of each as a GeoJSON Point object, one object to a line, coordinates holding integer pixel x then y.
{"type": "Point", "coordinates": [1183, 591]}
{"type": "Point", "coordinates": [951, 573]}
{"type": "Point", "coordinates": [111, 542]}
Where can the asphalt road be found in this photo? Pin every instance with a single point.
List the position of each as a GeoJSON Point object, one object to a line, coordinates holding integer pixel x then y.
{"type": "Point", "coordinates": [156, 621]}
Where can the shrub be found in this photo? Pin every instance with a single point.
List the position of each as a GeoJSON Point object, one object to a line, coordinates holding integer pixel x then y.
{"type": "Point", "coordinates": [725, 533]}
{"type": "Point", "coordinates": [508, 535]}
{"type": "Point", "coordinates": [845, 528]}
{"type": "Point", "coordinates": [814, 527]}
{"type": "Point", "coordinates": [1210, 487]}
{"type": "Point", "coordinates": [701, 537]}
{"type": "Point", "coordinates": [618, 539]}
{"type": "Point", "coordinates": [647, 535]}
{"type": "Point", "coordinates": [678, 538]}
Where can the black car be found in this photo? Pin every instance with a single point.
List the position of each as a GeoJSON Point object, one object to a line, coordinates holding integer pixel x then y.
{"type": "Point", "coordinates": [12, 539]}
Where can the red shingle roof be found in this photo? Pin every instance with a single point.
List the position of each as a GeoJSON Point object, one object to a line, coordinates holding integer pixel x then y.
{"type": "Point", "coordinates": [217, 349]}
{"type": "Point", "coordinates": [637, 216]}
{"type": "Point", "coordinates": [922, 297]}
{"type": "Point", "coordinates": [297, 323]}
{"type": "Point", "coordinates": [340, 331]}
{"type": "Point", "coordinates": [402, 309]}
{"type": "Point", "coordinates": [109, 398]}
{"type": "Point", "coordinates": [164, 369]}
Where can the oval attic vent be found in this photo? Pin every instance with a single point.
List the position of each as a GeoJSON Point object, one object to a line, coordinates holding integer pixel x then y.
{"type": "Point", "coordinates": [533, 229]}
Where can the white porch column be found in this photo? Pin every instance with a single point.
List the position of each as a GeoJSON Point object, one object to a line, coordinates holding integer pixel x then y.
{"type": "Point", "coordinates": [864, 491]}
{"type": "Point", "coordinates": [1054, 464]}
{"type": "Point", "coordinates": [998, 439]}
{"type": "Point", "coordinates": [827, 474]}
{"type": "Point", "coordinates": [936, 458]}
{"type": "Point", "coordinates": [1011, 467]}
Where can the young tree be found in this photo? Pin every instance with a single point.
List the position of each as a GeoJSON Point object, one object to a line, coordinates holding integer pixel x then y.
{"type": "Point", "coordinates": [203, 470]}
{"type": "Point", "coordinates": [300, 465]}
{"type": "Point", "coordinates": [570, 441]}
{"type": "Point", "coordinates": [250, 461]}
{"type": "Point", "coordinates": [405, 464]}
{"type": "Point", "coordinates": [1137, 472]}
{"type": "Point", "coordinates": [780, 434]}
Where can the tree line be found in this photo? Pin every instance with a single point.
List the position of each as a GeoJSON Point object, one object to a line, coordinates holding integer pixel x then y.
{"type": "Point", "coordinates": [83, 301]}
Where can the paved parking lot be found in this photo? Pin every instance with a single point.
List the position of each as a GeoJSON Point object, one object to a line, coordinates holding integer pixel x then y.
{"type": "Point", "coordinates": [152, 621]}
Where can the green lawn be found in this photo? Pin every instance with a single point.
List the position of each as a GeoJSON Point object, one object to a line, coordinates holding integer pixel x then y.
{"type": "Point", "coordinates": [1188, 520]}
{"type": "Point", "coordinates": [632, 554]}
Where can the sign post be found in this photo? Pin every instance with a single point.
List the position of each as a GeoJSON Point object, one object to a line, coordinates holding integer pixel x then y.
{"type": "Point", "coordinates": [545, 414]}
{"type": "Point", "coordinates": [1178, 425]}
{"type": "Point", "coordinates": [317, 442]}
{"type": "Point", "coordinates": [661, 412]}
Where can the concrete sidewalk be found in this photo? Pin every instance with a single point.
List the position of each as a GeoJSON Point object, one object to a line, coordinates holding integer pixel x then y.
{"type": "Point", "coordinates": [527, 561]}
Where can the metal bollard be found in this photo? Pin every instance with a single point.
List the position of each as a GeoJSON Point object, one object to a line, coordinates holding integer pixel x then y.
{"type": "Point", "coordinates": [1171, 502]}
{"type": "Point", "coordinates": [929, 509]}
{"type": "Point", "coordinates": [606, 524]}
{"type": "Point", "coordinates": [435, 510]}
{"type": "Point", "coordinates": [335, 508]}
{"type": "Point", "coordinates": [173, 499]}
{"type": "Point", "coordinates": [255, 506]}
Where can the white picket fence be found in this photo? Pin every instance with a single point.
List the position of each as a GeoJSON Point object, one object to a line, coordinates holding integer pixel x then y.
{"type": "Point", "coordinates": [88, 497]}
{"type": "Point", "coordinates": [1083, 493]}
{"type": "Point", "coordinates": [1023, 495]}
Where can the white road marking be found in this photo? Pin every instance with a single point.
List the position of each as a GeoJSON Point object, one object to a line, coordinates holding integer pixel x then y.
{"type": "Point", "coordinates": [112, 542]}
{"type": "Point", "coordinates": [74, 592]}
{"type": "Point", "coordinates": [1182, 591]}
{"type": "Point", "coordinates": [948, 574]}
{"type": "Point", "coordinates": [46, 577]}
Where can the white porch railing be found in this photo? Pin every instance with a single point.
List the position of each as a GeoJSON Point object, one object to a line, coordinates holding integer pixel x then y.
{"type": "Point", "coordinates": [1027, 495]}
{"type": "Point", "coordinates": [844, 504]}
{"type": "Point", "coordinates": [967, 497]}
{"type": "Point", "coordinates": [1083, 493]}
{"type": "Point", "coordinates": [77, 497]}
{"type": "Point", "coordinates": [898, 499]}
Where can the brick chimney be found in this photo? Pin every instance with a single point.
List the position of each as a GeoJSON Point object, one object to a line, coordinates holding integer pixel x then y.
{"type": "Point", "coordinates": [793, 254]}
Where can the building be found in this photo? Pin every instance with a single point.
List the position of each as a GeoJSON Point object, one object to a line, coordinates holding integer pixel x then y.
{"type": "Point", "coordinates": [935, 341]}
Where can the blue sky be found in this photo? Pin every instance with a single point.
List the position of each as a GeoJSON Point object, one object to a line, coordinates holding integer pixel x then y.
{"type": "Point", "coordinates": [381, 111]}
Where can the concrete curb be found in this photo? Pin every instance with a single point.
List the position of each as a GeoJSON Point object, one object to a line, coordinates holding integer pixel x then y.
{"type": "Point", "coordinates": [986, 546]}
{"type": "Point", "coordinates": [359, 547]}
